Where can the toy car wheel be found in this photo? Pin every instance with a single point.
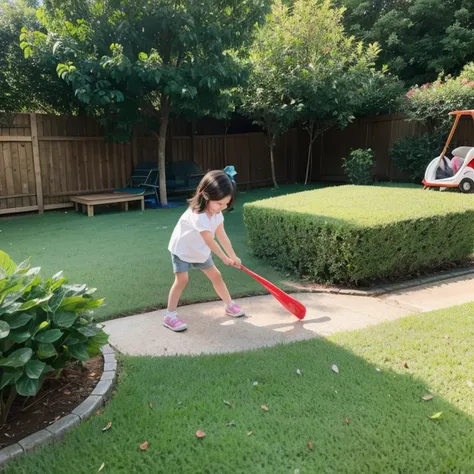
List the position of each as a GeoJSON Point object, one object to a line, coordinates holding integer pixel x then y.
{"type": "Point", "coordinates": [466, 185]}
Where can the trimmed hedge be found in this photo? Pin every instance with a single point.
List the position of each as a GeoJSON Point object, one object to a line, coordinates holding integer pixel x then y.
{"type": "Point", "coordinates": [354, 234]}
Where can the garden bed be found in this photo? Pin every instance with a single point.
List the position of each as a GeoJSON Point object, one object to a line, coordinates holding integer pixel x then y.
{"type": "Point", "coordinates": [57, 398]}
{"type": "Point", "coordinates": [361, 234]}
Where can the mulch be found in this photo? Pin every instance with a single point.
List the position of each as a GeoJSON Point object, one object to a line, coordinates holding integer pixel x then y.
{"type": "Point", "coordinates": [57, 398]}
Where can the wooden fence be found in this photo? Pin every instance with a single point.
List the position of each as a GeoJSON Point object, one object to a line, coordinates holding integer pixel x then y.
{"type": "Point", "coordinates": [45, 159]}
{"type": "Point", "coordinates": [378, 133]}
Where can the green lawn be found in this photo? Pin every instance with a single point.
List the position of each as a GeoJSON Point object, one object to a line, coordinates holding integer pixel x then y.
{"type": "Point", "coordinates": [125, 254]}
{"type": "Point", "coordinates": [362, 420]}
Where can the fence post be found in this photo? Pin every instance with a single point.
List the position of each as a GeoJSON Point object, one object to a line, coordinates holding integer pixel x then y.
{"type": "Point", "coordinates": [36, 162]}
{"type": "Point", "coordinates": [249, 163]}
{"type": "Point", "coordinates": [193, 140]}
{"type": "Point", "coordinates": [134, 148]}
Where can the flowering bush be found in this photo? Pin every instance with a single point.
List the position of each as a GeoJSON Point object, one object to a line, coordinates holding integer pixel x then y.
{"type": "Point", "coordinates": [431, 103]}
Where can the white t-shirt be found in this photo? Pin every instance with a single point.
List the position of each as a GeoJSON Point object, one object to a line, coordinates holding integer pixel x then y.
{"type": "Point", "coordinates": [186, 241]}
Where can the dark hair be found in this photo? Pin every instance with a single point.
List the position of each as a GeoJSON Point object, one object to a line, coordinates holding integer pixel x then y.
{"type": "Point", "coordinates": [215, 185]}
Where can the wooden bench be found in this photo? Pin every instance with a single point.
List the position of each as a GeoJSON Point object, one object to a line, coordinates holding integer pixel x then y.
{"type": "Point", "coordinates": [112, 198]}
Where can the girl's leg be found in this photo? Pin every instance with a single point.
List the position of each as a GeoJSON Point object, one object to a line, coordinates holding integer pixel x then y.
{"type": "Point", "coordinates": [180, 282]}
{"type": "Point", "coordinates": [171, 320]}
{"type": "Point", "coordinates": [219, 285]}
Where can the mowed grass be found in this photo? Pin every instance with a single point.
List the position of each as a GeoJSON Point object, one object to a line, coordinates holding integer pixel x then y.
{"type": "Point", "coordinates": [361, 420]}
{"type": "Point", "coordinates": [371, 205]}
{"type": "Point", "coordinates": [125, 254]}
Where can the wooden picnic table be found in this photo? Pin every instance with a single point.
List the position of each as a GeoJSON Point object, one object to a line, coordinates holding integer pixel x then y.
{"type": "Point", "coordinates": [92, 200]}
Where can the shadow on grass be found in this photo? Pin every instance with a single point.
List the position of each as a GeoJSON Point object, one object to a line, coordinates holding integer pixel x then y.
{"type": "Point", "coordinates": [358, 421]}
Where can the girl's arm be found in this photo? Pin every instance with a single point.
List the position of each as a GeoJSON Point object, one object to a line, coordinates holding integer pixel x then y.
{"type": "Point", "coordinates": [226, 244]}
{"type": "Point", "coordinates": [215, 248]}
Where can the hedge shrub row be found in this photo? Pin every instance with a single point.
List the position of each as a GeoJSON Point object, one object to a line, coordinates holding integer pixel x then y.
{"type": "Point", "coordinates": [354, 234]}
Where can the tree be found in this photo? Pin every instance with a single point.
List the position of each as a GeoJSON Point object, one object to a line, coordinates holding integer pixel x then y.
{"type": "Point", "coordinates": [265, 99]}
{"type": "Point", "coordinates": [419, 38]}
{"type": "Point", "coordinates": [326, 69]}
{"type": "Point", "coordinates": [27, 85]}
{"type": "Point", "coordinates": [306, 69]}
{"type": "Point", "coordinates": [149, 59]}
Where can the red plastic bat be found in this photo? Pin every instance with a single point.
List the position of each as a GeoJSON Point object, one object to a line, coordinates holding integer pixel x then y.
{"type": "Point", "coordinates": [287, 301]}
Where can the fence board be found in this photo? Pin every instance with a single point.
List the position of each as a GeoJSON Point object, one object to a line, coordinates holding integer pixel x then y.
{"type": "Point", "coordinates": [9, 182]}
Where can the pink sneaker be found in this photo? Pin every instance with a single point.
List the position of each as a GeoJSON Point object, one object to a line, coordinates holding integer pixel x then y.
{"type": "Point", "coordinates": [174, 323]}
{"type": "Point", "coordinates": [234, 310]}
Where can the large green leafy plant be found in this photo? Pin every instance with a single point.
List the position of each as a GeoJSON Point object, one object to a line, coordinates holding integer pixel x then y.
{"type": "Point", "coordinates": [45, 325]}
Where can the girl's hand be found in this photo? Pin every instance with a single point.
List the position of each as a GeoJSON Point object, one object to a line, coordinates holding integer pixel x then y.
{"type": "Point", "coordinates": [228, 261]}
{"type": "Point", "coordinates": [237, 262]}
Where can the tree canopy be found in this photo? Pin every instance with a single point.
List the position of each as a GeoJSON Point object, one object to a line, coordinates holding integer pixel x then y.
{"type": "Point", "coordinates": [306, 69]}
{"type": "Point", "coordinates": [149, 58]}
{"type": "Point", "coordinates": [419, 38]}
{"type": "Point", "coordinates": [28, 85]}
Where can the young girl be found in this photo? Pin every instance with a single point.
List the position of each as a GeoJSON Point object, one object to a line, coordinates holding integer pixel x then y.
{"type": "Point", "coordinates": [193, 241]}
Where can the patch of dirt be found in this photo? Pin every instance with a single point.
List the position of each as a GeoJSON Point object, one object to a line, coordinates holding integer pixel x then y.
{"type": "Point", "coordinates": [57, 398]}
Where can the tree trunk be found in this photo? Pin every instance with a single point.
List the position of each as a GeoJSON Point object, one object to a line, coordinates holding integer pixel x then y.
{"type": "Point", "coordinates": [5, 405]}
{"type": "Point", "coordinates": [310, 159]}
{"type": "Point", "coordinates": [310, 130]}
{"type": "Point", "coordinates": [271, 144]}
{"type": "Point", "coordinates": [164, 120]}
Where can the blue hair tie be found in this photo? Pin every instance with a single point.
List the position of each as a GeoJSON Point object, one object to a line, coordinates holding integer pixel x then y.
{"type": "Point", "coordinates": [230, 172]}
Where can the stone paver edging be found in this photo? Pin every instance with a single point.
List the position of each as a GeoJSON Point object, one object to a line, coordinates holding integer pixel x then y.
{"type": "Point", "coordinates": [395, 287]}
{"type": "Point", "coordinates": [55, 432]}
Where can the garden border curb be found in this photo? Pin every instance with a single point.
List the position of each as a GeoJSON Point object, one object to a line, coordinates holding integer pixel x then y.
{"type": "Point", "coordinates": [394, 287]}
{"type": "Point", "coordinates": [56, 431]}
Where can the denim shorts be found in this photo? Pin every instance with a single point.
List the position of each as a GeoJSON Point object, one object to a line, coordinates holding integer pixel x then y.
{"type": "Point", "coordinates": [180, 266]}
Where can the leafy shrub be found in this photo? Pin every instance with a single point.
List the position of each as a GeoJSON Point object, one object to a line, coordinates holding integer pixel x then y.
{"type": "Point", "coordinates": [467, 74]}
{"type": "Point", "coordinates": [354, 234]}
{"type": "Point", "coordinates": [359, 166]}
{"type": "Point", "coordinates": [380, 94]}
{"type": "Point", "coordinates": [44, 326]}
{"type": "Point", "coordinates": [432, 102]}
{"type": "Point", "coordinates": [413, 154]}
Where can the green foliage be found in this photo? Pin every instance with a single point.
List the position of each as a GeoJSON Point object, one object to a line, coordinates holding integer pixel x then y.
{"type": "Point", "coordinates": [28, 85]}
{"type": "Point", "coordinates": [431, 103]}
{"type": "Point", "coordinates": [133, 57]}
{"type": "Point", "coordinates": [358, 233]}
{"type": "Point", "coordinates": [419, 38]}
{"type": "Point", "coordinates": [359, 166]}
{"type": "Point", "coordinates": [146, 60]}
{"type": "Point", "coordinates": [413, 154]}
{"type": "Point", "coordinates": [44, 326]}
{"type": "Point", "coordinates": [306, 69]}
{"type": "Point", "coordinates": [380, 94]}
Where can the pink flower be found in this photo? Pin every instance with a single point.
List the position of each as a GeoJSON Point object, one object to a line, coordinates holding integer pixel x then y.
{"type": "Point", "coordinates": [425, 86]}
{"type": "Point", "coordinates": [410, 93]}
{"type": "Point", "coordinates": [464, 82]}
{"type": "Point", "coordinates": [471, 84]}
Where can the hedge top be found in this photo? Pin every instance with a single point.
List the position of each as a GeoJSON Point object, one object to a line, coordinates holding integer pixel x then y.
{"type": "Point", "coordinates": [369, 206]}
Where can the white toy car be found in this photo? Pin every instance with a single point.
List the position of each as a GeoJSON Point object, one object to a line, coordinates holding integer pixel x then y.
{"type": "Point", "coordinates": [457, 172]}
